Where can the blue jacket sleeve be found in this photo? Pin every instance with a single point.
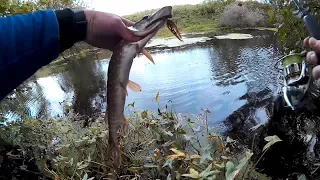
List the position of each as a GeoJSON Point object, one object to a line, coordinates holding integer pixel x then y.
{"type": "Point", "coordinates": [27, 42]}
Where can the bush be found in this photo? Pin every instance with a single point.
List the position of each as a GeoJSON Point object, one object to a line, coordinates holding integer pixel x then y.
{"type": "Point", "coordinates": [161, 145]}
{"type": "Point", "coordinates": [235, 15]}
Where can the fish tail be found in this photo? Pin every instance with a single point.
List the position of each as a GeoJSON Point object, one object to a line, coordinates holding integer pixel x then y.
{"type": "Point", "coordinates": [125, 125]}
{"type": "Point", "coordinates": [114, 148]}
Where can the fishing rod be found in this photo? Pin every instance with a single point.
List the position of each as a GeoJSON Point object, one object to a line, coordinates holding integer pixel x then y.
{"type": "Point", "coordinates": [310, 23]}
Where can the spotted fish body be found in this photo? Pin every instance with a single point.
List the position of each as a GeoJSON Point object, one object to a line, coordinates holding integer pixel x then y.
{"type": "Point", "coordinates": [118, 78]}
{"type": "Point", "coordinates": [119, 70]}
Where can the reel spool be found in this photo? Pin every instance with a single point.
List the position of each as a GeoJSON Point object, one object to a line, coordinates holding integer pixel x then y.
{"type": "Point", "coordinates": [296, 79]}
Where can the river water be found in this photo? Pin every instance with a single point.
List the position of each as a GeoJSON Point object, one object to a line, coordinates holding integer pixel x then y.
{"type": "Point", "coordinates": [215, 74]}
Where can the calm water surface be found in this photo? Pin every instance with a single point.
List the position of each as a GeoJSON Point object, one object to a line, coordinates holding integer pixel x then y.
{"type": "Point", "coordinates": [221, 75]}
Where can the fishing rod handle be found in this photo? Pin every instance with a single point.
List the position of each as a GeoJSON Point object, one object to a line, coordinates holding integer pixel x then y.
{"type": "Point", "coordinates": [313, 29]}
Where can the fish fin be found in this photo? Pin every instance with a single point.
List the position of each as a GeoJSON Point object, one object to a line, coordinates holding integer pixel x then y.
{"type": "Point", "coordinates": [124, 88]}
{"type": "Point", "coordinates": [125, 125]}
{"type": "Point", "coordinates": [134, 86]}
{"type": "Point", "coordinates": [147, 54]}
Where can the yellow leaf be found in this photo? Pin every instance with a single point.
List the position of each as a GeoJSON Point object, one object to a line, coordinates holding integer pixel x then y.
{"type": "Point", "coordinates": [178, 154]}
{"type": "Point", "coordinates": [156, 97]}
{"type": "Point", "coordinates": [195, 156]}
{"type": "Point", "coordinates": [193, 174]}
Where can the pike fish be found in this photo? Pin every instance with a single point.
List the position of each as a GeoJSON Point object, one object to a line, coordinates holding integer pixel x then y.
{"type": "Point", "coordinates": [119, 70]}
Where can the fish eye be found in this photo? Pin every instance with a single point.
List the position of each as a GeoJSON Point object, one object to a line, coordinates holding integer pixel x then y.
{"type": "Point", "coordinates": [145, 17]}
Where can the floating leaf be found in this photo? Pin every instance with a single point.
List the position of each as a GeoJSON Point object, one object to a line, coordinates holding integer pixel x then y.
{"type": "Point", "coordinates": [156, 97]}
{"type": "Point", "coordinates": [271, 140]}
{"type": "Point", "coordinates": [193, 174]}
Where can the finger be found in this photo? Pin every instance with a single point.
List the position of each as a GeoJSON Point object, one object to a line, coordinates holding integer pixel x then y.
{"type": "Point", "coordinates": [312, 58]}
{"type": "Point", "coordinates": [316, 72]}
{"type": "Point", "coordinates": [314, 44]}
{"type": "Point", "coordinates": [306, 42]}
{"type": "Point", "coordinates": [127, 22]}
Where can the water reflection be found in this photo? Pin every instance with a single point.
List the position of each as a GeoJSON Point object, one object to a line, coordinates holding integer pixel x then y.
{"type": "Point", "coordinates": [213, 75]}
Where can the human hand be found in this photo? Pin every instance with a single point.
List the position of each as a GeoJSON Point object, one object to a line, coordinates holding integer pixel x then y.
{"type": "Point", "coordinates": [312, 57]}
{"type": "Point", "coordinates": [105, 30]}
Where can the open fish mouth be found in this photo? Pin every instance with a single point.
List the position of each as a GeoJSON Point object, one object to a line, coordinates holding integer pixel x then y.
{"type": "Point", "coordinates": [170, 25]}
{"type": "Point", "coordinates": [156, 23]}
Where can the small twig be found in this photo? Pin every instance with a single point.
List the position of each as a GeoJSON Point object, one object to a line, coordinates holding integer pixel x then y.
{"type": "Point", "coordinates": [315, 170]}
{"type": "Point", "coordinates": [195, 148]}
{"type": "Point", "coordinates": [31, 171]}
{"type": "Point", "coordinates": [98, 164]}
{"type": "Point", "coordinates": [74, 172]}
{"type": "Point", "coordinates": [259, 159]}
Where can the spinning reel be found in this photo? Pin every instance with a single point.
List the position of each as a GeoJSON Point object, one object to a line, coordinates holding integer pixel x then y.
{"type": "Point", "coordinates": [297, 74]}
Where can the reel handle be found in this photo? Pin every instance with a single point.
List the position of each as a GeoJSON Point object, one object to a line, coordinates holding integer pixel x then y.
{"type": "Point", "coordinates": [313, 29]}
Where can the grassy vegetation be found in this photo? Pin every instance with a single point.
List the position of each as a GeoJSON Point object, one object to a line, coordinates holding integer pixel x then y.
{"type": "Point", "coordinates": [199, 18]}
{"type": "Point", "coordinates": [162, 145]}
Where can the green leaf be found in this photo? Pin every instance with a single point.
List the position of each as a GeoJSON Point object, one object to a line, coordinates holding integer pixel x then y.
{"type": "Point", "coordinates": [229, 140]}
{"type": "Point", "coordinates": [207, 172]}
{"type": "Point", "coordinates": [193, 174]}
{"type": "Point", "coordinates": [168, 163]}
{"type": "Point", "coordinates": [205, 154]}
{"type": "Point", "coordinates": [225, 157]}
{"type": "Point", "coordinates": [85, 177]}
{"type": "Point", "coordinates": [144, 114]}
{"type": "Point", "coordinates": [220, 165]}
{"type": "Point", "coordinates": [271, 140]}
{"type": "Point", "coordinates": [232, 171]}
{"type": "Point", "coordinates": [169, 133]}
{"type": "Point", "coordinates": [229, 170]}
{"type": "Point", "coordinates": [302, 177]}
{"type": "Point", "coordinates": [169, 177]}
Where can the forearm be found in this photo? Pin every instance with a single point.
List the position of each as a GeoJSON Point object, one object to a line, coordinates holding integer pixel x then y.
{"type": "Point", "coordinates": [27, 42]}
{"type": "Point", "coordinates": [30, 41]}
